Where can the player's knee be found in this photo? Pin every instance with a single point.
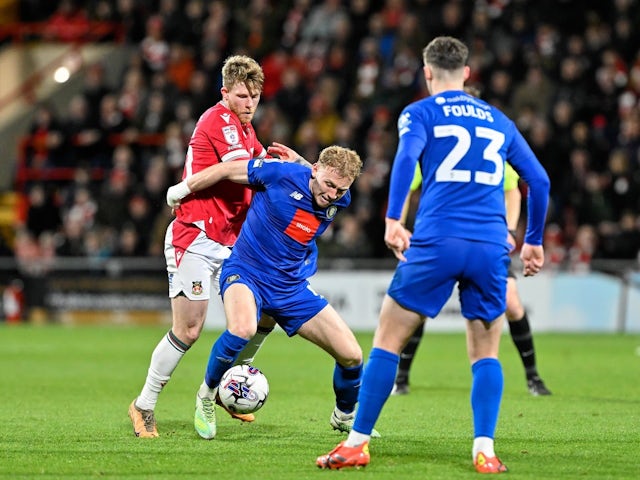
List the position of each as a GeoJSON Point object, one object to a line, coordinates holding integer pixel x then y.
{"type": "Point", "coordinates": [515, 310]}
{"type": "Point", "coordinates": [353, 358]}
{"type": "Point", "coordinates": [188, 335]}
{"type": "Point", "coordinates": [244, 330]}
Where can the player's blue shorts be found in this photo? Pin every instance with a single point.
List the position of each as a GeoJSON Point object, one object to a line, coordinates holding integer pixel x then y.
{"type": "Point", "coordinates": [424, 282]}
{"type": "Point", "coordinates": [290, 305]}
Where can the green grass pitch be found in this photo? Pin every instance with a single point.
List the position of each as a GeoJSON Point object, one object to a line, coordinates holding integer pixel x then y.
{"type": "Point", "coordinates": [64, 393]}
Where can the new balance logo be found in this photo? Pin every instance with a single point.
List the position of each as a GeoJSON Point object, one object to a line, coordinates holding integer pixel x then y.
{"type": "Point", "coordinates": [297, 195]}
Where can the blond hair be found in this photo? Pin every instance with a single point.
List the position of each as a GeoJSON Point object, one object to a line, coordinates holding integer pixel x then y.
{"type": "Point", "coordinates": [242, 69]}
{"type": "Point", "coordinates": [344, 161]}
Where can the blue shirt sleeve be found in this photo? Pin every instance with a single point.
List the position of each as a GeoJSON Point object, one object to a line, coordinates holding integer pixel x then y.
{"type": "Point", "coordinates": [262, 172]}
{"type": "Point", "coordinates": [412, 139]}
{"type": "Point", "coordinates": [524, 161]}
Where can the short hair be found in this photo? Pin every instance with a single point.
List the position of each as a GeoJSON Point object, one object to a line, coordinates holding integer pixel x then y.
{"type": "Point", "coordinates": [243, 69]}
{"type": "Point", "coordinates": [344, 161]}
{"type": "Point", "coordinates": [445, 53]}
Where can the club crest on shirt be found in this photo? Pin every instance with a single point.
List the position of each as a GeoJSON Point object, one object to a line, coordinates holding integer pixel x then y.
{"type": "Point", "coordinates": [231, 135]}
{"type": "Point", "coordinates": [331, 211]}
{"type": "Point", "coordinates": [196, 287]}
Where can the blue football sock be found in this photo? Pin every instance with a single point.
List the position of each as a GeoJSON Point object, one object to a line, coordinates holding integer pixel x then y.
{"type": "Point", "coordinates": [377, 382]}
{"type": "Point", "coordinates": [223, 353]}
{"type": "Point", "coordinates": [486, 393]}
{"type": "Point", "coordinates": [346, 384]}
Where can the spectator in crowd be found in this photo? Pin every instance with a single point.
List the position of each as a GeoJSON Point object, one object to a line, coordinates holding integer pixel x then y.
{"type": "Point", "coordinates": [94, 88]}
{"type": "Point", "coordinates": [113, 199]}
{"type": "Point", "coordinates": [46, 139]}
{"type": "Point", "coordinates": [43, 213]}
{"type": "Point", "coordinates": [154, 47]}
{"type": "Point", "coordinates": [35, 257]}
{"type": "Point", "coordinates": [68, 23]}
{"type": "Point", "coordinates": [82, 133]}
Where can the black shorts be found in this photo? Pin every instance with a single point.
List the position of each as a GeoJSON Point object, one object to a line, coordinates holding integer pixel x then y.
{"type": "Point", "coordinates": [510, 272]}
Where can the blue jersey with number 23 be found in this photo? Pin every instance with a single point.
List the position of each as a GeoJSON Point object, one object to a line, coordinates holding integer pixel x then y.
{"type": "Point", "coordinates": [462, 144]}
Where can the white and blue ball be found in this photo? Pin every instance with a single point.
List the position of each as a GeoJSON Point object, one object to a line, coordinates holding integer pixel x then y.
{"type": "Point", "coordinates": [243, 389]}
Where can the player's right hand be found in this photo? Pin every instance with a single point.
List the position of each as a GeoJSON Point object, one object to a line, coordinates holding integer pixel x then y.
{"type": "Point", "coordinates": [397, 238]}
{"type": "Point", "coordinates": [176, 193]}
{"type": "Point", "coordinates": [173, 198]}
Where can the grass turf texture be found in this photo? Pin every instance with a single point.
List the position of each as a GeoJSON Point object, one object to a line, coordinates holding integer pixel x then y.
{"type": "Point", "coordinates": [64, 393]}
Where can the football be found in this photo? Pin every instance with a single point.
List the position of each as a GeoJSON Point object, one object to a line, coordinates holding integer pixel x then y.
{"type": "Point", "coordinates": [243, 389]}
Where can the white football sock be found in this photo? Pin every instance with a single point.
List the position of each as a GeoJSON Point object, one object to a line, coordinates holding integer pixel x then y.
{"type": "Point", "coordinates": [206, 392]}
{"type": "Point", "coordinates": [356, 438]}
{"type": "Point", "coordinates": [164, 360]}
{"type": "Point", "coordinates": [248, 353]}
{"type": "Point", "coordinates": [484, 445]}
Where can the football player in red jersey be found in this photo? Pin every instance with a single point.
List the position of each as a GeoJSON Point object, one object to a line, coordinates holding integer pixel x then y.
{"type": "Point", "coordinates": [207, 224]}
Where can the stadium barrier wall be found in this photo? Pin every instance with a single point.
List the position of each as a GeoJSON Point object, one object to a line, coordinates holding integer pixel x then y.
{"type": "Point", "coordinates": [134, 290]}
{"type": "Point", "coordinates": [556, 302]}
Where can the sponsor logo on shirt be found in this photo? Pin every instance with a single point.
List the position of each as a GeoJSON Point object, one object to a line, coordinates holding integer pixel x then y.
{"type": "Point", "coordinates": [232, 278]}
{"type": "Point", "coordinates": [303, 226]}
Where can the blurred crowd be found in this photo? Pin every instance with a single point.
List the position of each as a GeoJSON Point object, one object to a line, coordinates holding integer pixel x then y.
{"type": "Point", "coordinates": [338, 72]}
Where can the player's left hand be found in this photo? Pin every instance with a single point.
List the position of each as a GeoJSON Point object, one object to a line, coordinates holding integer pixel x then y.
{"type": "Point", "coordinates": [397, 238]}
{"type": "Point", "coordinates": [532, 257]}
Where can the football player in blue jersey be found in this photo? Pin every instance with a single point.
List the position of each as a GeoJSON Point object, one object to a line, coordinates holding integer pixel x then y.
{"type": "Point", "coordinates": [460, 236]}
{"type": "Point", "coordinates": [271, 261]}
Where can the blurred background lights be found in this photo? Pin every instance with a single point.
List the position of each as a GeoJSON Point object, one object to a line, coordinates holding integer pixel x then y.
{"type": "Point", "coordinates": [61, 75]}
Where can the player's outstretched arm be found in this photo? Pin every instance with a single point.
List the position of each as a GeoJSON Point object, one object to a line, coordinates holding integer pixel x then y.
{"type": "Point", "coordinates": [236, 171]}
